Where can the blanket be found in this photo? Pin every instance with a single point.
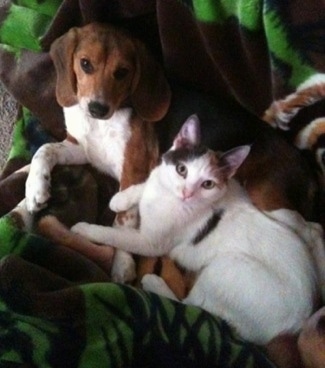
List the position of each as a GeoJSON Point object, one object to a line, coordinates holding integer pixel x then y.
{"type": "Point", "coordinates": [58, 308]}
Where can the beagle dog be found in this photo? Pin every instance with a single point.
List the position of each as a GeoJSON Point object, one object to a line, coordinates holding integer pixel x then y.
{"type": "Point", "coordinates": [111, 90]}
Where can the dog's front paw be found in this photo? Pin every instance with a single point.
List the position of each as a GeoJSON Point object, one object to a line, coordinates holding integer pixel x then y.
{"type": "Point", "coordinates": [37, 190]}
{"type": "Point", "coordinates": [119, 202]}
{"type": "Point", "coordinates": [123, 269]}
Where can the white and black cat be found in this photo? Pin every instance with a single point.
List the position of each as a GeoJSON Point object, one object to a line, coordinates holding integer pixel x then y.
{"type": "Point", "coordinates": [254, 269]}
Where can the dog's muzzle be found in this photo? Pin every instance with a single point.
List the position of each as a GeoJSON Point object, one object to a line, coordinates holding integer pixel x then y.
{"type": "Point", "coordinates": [98, 110]}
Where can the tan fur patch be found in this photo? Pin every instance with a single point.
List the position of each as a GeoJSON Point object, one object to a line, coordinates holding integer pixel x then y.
{"type": "Point", "coordinates": [51, 228]}
{"type": "Point", "coordinates": [141, 153]}
{"type": "Point", "coordinates": [214, 160]}
{"type": "Point", "coordinates": [101, 84]}
{"type": "Point", "coordinates": [179, 281]}
{"type": "Point", "coordinates": [271, 171]}
{"type": "Point", "coordinates": [71, 139]}
{"type": "Point", "coordinates": [140, 157]}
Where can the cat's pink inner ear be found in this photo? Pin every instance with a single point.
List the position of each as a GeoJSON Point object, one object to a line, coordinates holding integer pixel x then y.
{"type": "Point", "coordinates": [190, 134]}
{"type": "Point", "coordinates": [231, 160]}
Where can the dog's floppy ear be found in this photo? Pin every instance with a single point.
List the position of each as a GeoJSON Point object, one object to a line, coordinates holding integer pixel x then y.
{"type": "Point", "coordinates": [61, 52]}
{"type": "Point", "coordinates": [151, 93]}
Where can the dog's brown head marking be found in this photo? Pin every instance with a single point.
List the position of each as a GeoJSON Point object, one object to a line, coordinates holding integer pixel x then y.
{"type": "Point", "coordinates": [102, 67]}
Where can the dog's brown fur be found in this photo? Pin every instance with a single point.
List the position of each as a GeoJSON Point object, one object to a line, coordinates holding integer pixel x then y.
{"type": "Point", "coordinates": [276, 175]}
{"type": "Point", "coordinates": [119, 72]}
{"type": "Point", "coordinates": [53, 229]}
{"type": "Point", "coordinates": [112, 53]}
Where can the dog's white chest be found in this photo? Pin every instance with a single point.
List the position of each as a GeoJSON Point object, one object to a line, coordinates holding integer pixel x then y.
{"type": "Point", "coordinates": [103, 141]}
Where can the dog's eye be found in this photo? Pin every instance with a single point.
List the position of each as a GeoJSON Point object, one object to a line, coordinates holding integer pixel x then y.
{"type": "Point", "coordinates": [121, 73]}
{"type": "Point", "coordinates": [86, 66]}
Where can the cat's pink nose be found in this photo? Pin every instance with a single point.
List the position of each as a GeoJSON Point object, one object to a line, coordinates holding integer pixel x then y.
{"type": "Point", "coordinates": [187, 193]}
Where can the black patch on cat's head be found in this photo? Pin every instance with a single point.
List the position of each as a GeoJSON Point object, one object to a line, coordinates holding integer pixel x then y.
{"type": "Point", "coordinates": [173, 157]}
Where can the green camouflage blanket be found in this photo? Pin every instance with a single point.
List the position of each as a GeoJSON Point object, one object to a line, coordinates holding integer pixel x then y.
{"type": "Point", "coordinates": [57, 308]}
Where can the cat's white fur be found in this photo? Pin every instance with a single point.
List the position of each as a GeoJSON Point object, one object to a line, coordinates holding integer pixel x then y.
{"type": "Point", "coordinates": [255, 269]}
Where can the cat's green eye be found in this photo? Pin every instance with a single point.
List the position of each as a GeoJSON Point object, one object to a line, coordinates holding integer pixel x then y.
{"type": "Point", "coordinates": [208, 184]}
{"type": "Point", "coordinates": [181, 170]}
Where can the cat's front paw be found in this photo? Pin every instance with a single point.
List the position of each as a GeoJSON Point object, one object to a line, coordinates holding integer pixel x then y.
{"type": "Point", "coordinates": [123, 269]}
{"type": "Point", "coordinates": [156, 284]}
{"type": "Point", "coordinates": [37, 190]}
{"type": "Point", "coordinates": [86, 230]}
{"type": "Point", "coordinates": [119, 202]}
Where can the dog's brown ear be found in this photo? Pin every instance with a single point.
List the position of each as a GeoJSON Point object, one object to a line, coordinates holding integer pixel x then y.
{"type": "Point", "coordinates": [151, 93]}
{"type": "Point", "coordinates": [61, 52]}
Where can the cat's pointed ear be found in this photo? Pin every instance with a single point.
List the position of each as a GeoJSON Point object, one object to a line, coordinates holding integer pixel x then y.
{"type": "Point", "coordinates": [230, 161]}
{"type": "Point", "coordinates": [189, 135]}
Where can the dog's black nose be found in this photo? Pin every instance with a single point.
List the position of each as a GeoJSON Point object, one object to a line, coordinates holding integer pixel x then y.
{"type": "Point", "coordinates": [98, 110]}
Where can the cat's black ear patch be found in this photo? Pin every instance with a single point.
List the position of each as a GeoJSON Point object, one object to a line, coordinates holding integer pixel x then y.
{"type": "Point", "coordinates": [173, 157]}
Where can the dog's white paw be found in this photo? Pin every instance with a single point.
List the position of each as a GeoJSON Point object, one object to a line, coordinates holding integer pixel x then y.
{"type": "Point", "coordinates": [156, 284]}
{"type": "Point", "coordinates": [123, 269]}
{"type": "Point", "coordinates": [37, 190]}
{"type": "Point", "coordinates": [119, 202]}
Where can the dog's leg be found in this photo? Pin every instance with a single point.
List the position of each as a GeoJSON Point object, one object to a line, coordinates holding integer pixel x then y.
{"type": "Point", "coordinates": [281, 112]}
{"type": "Point", "coordinates": [51, 228]}
{"type": "Point", "coordinates": [140, 157]}
{"type": "Point", "coordinates": [39, 178]}
{"type": "Point", "coordinates": [23, 218]}
{"type": "Point", "coordinates": [123, 267]}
